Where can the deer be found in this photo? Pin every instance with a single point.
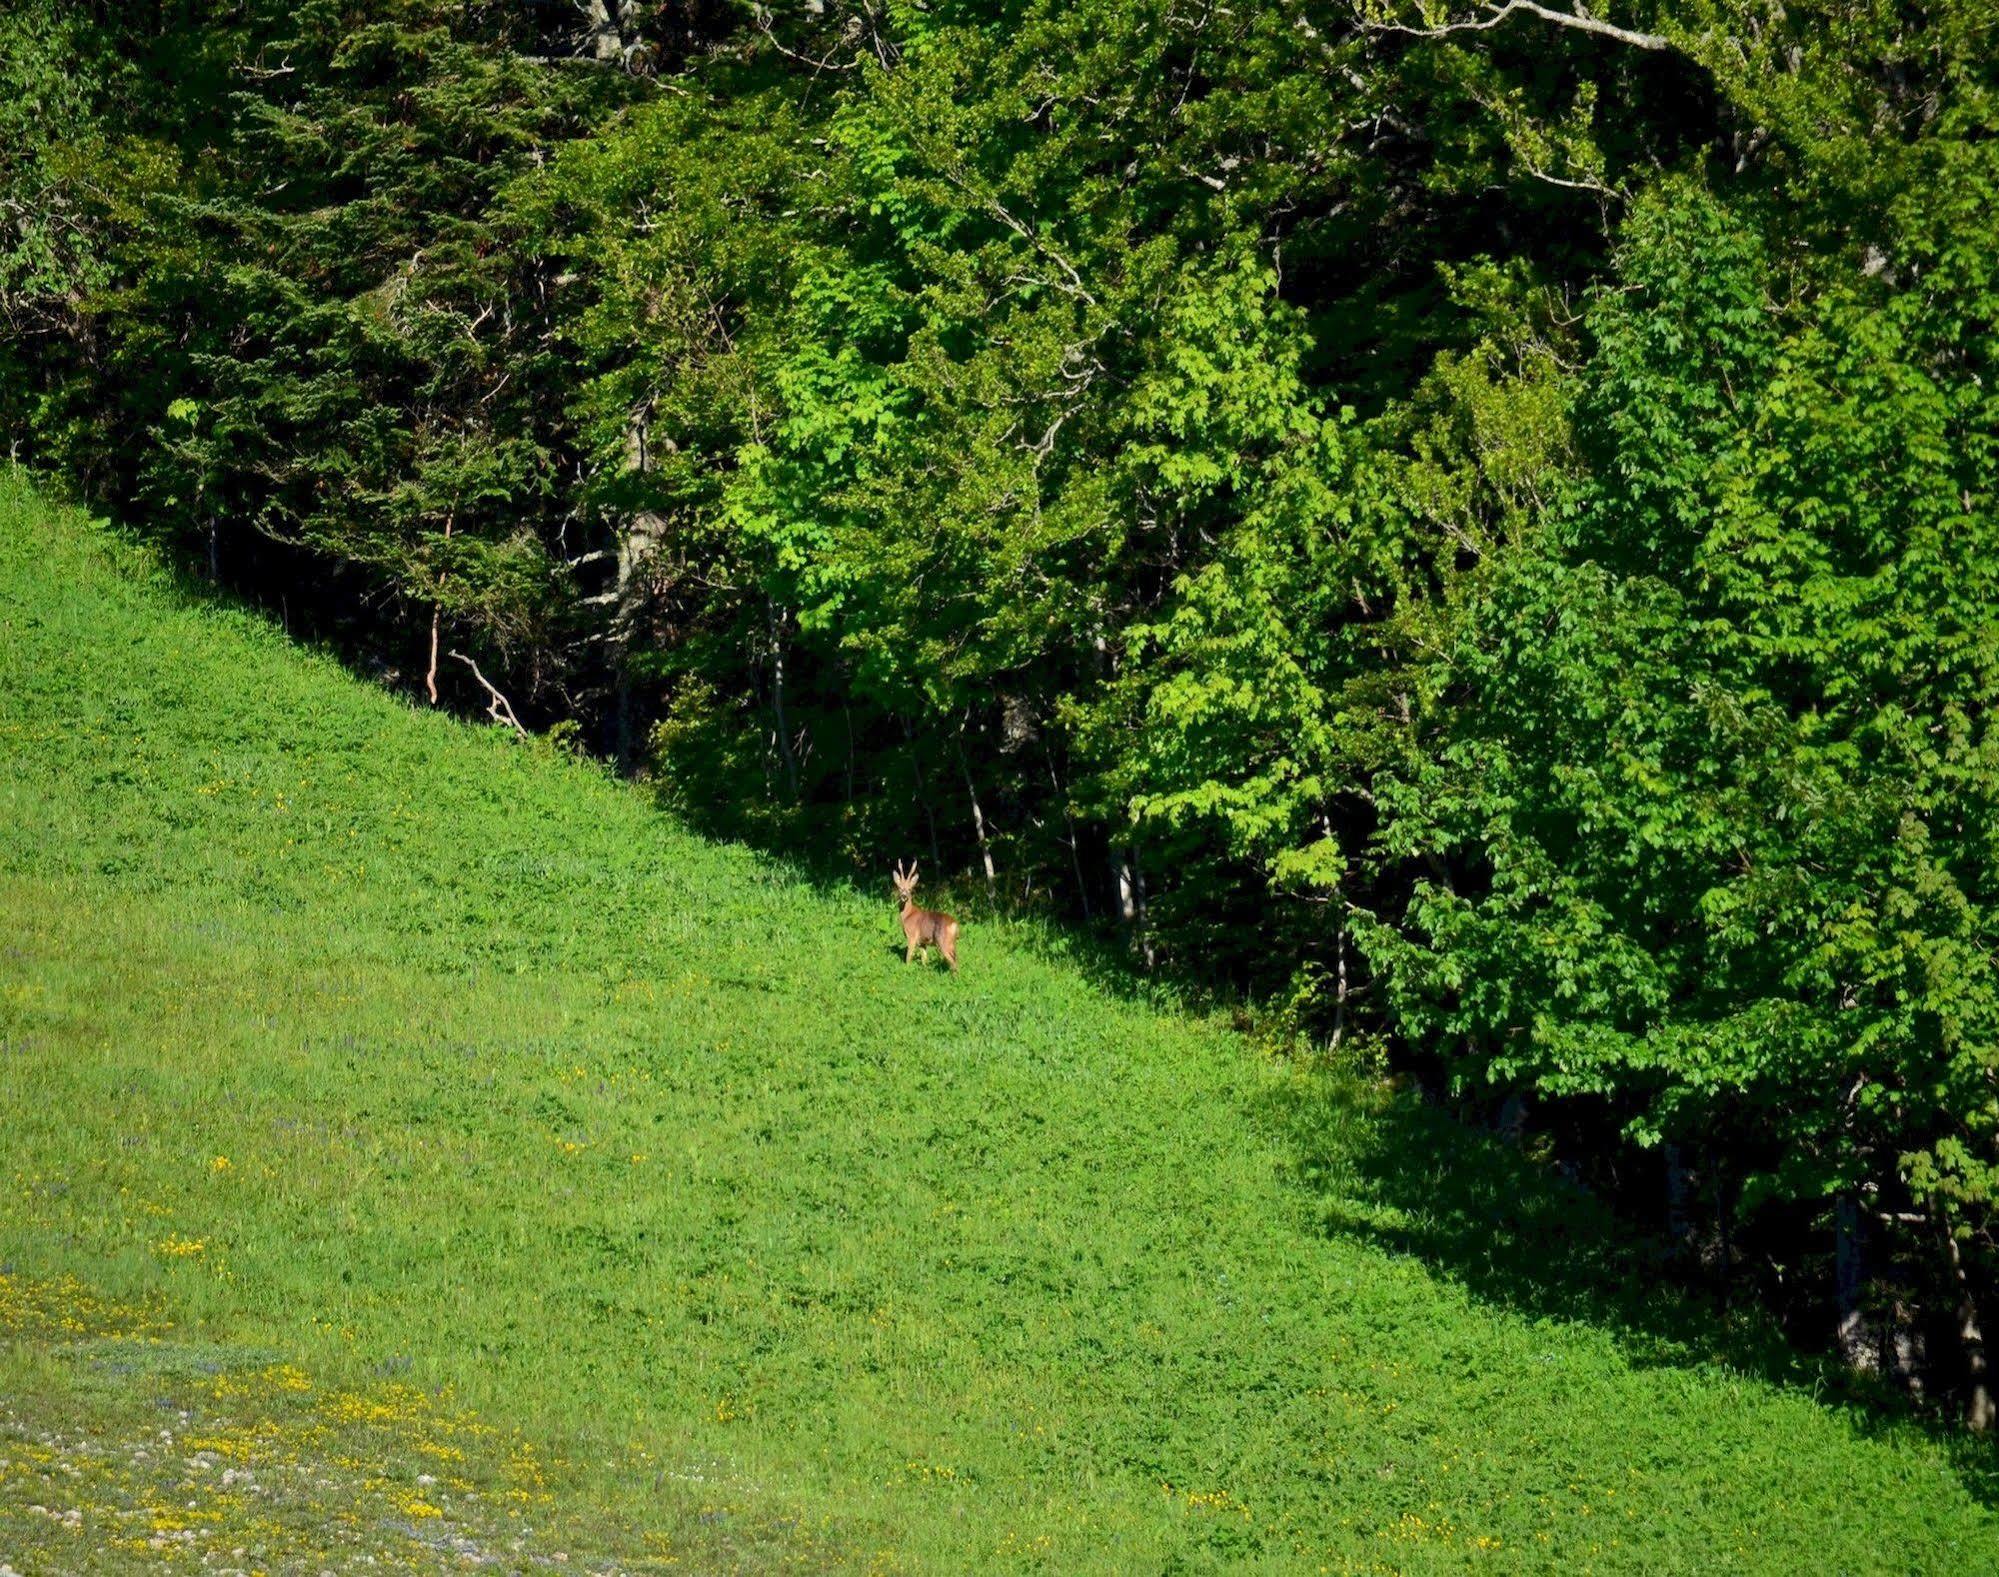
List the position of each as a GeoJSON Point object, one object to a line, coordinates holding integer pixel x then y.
{"type": "Point", "coordinates": [922, 928]}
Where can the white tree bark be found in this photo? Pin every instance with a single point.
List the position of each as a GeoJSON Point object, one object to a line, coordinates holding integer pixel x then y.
{"type": "Point", "coordinates": [979, 826]}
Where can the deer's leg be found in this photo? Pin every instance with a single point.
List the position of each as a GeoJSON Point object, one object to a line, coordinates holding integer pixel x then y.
{"type": "Point", "coordinates": [909, 954]}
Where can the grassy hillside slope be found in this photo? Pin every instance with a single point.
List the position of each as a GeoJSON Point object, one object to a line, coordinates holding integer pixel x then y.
{"type": "Point", "coordinates": [423, 1132]}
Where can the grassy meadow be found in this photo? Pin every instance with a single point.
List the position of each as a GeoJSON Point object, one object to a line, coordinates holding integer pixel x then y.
{"type": "Point", "coordinates": [419, 1151]}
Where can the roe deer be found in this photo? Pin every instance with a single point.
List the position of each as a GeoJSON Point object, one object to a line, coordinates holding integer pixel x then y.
{"type": "Point", "coordinates": [923, 929]}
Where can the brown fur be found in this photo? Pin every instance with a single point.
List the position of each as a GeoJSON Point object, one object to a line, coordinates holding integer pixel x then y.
{"type": "Point", "coordinates": [924, 929]}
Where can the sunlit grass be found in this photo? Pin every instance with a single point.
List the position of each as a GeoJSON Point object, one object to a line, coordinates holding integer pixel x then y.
{"type": "Point", "coordinates": [346, 1041]}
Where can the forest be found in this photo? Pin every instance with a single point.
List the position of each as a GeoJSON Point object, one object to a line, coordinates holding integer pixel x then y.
{"type": "Point", "coordinates": [1470, 529]}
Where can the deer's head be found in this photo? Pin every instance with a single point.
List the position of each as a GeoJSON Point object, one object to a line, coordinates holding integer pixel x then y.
{"type": "Point", "coordinates": [905, 882]}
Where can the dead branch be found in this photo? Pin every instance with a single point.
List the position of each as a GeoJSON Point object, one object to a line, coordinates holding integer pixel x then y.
{"type": "Point", "coordinates": [997, 209]}
{"type": "Point", "coordinates": [1496, 14]}
{"type": "Point", "coordinates": [498, 708]}
{"type": "Point", "coordinates": [1597, 188]}
{"type": "Point", "coordinates": [764, 25]}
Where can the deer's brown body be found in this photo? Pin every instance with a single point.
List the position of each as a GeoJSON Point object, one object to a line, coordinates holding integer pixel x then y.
{"type": "Point", "coordinates": [924, 929]}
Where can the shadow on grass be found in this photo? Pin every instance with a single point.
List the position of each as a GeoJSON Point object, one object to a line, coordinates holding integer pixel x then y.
{"type": "Point", "coordinates": [795, 847]}
{"type": "Point", "coordinates": [1406, 1176]}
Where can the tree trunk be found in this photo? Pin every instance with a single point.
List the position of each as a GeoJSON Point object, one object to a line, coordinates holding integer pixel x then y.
{"type": "Point", "coordinates": [1144, 929]}
{"type": "Point", "coordinates": [606, 41]}
{"type": "Point", "coordinates": [1849, 1275]}
{"type": "Point", "coordinates": [626, 746]}
{"type": "Point", "coordinates": [1340, 991]}
{"type": "Point", "coordinates": [979, 826]}
{"type": "Point", "coordinates": [1724, 1212]}
{"type": "Point", "coordinates": [847, 717]}
{"type": "Point", "coordinates": [1978, 1404]}
{"type": "Point", "coordinates": [1904, 1350]}
{"type": "Point", "coordinates": [923, 799]}
{"type": "Point", "coordinates": [1075, 851]}
{"type": "Point", "coordinates": [1679, 1229]}
{"type": "Point", "coordinates": [436, 619]}
{"type": "Point", "coordinates": [777, 700]}
{"type": "Point", "coordinates": [1131, 900]}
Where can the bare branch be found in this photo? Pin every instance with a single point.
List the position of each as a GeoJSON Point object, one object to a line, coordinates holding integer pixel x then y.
{"type": "Point", "coordinates": [498, 708]}
{"type": "Point", "coordinates": [1496, 14]}
{"type": "Point", "coordinates": [826, 63]}
{"type": "Point", "coordinates": [1596, 187]}
{"type": "Point", "coordinates": [992, 204]}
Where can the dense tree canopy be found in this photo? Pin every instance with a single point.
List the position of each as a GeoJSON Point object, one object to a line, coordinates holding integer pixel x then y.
{"type": "Point", "coordinates": [1474, 520]}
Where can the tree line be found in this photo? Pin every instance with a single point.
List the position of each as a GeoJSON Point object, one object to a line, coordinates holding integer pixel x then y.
{"type": "Point", "coordinates": [1473, 523]}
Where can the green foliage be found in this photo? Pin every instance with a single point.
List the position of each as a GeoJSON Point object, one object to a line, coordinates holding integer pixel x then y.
{"type": "Point", "coordinates": [1719, 737]}
{"type": "Point", "coordinates": [64, 171]}
{"type": "Point", "coordinates": [304, 326]}
{"type": "Point", "coordinates": [47, 75]}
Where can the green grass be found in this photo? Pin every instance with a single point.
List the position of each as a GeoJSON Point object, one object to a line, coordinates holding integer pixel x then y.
{"type": "Point", "coordinates": [556, 1135]}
